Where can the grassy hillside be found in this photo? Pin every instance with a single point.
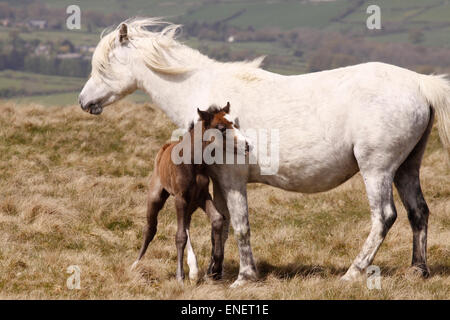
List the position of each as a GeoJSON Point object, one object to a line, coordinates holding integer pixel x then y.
{"type": "Point", "coordinates": [258, 14]}
{"type": "Point", "coordinates": [432, 15]}
{"type": "Point", "coordinates": [135, 7]}
{"type": "Point", "coordinates": [73, 189]}
{"type": "Point", "coordinates": [76, 37]}
{"type": "Point", "coordinates": [31, 83]}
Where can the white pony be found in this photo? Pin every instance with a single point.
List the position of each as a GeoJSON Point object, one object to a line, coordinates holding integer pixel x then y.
{"type": "Point", "coordinates": [374, 118]}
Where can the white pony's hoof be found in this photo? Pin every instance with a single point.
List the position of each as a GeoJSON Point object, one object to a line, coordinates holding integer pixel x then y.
{"type": "Point", "coordinates": [134, 265]}
{"type": "Point", "coordinates": [239, 283]}
{"type": "Point", "coordinates": [347, 278]}
{"type": "Point", "coordinates": [418, 272]}
{"type": "Point", "coordinates": [352, 275]}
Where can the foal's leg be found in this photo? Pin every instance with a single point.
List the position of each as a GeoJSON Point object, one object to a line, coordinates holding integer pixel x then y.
{"type": "Point", "coordinates": [181, 237]}
{"type": "Point", "coordinates": [383, 215]}
{"type": "Point", "coordinates": [157, 196]}
{"type": "Point", "coordinates": [220, 204]}
{"type": "Point", "coordinates": [215, 267]}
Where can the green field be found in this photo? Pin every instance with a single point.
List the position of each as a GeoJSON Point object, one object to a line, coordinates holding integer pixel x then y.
{"type": "Point", "coordinates": [431, 16]}
{"type": "Point", "coordinates": [76, 37]}
{"type": "Point", "coordinates": [48, 90]}
{"type": "Point", "coordinates": [276, 13]}
{"type": "Point", "coordinates": [131, 8]}
{"type": "Point", "coordinates": [69, 98]}
{"type": "Point", "coordinates": [36, 83]}
{"type": "Point", "coordinates": [398, 18]}
{"type": "Point", "coordinates": [282, 14]}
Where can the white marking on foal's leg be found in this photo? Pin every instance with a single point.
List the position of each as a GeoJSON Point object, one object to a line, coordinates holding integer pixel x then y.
{"type": "Point", "coordinates": [191, 259]}
{"type": "Point", "coordinates": [134, 265]}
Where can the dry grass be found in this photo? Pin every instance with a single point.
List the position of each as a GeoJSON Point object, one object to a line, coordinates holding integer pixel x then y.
{"type": "Point", "coordinates": [72, 192]}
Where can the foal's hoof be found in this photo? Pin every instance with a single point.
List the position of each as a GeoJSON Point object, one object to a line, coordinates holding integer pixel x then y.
{"type": "Point", "coordinates": [419, 271]}
{"type": "Point", "coordinates": [193, 276]}
{"type": "Point", "coordinates": [134, 265]}
{"type": "Point", "coordinates": [180, 280]}
{"type": "Point", "coordinates": [216, 276]}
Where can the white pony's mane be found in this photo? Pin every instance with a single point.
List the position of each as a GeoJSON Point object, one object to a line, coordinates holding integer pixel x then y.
{"type": "Point", "coordinates": [160, 50]}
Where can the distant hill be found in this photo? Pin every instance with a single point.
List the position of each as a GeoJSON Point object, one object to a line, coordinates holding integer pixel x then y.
{"type": "Point", "coordinates": [399, 17]}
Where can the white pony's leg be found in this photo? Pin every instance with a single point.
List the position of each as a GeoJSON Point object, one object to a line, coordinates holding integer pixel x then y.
{"type": "Point", "coordinates": [383, 215]}
{"type": "Point", "coordinates": [191, 259]}
{"type": "Point", "coordinates": [408, 186]}
{"type": "Point", "coordinates": [236, 198]}
{"type": "Point", "coordinates": [230, 199]}
{"type": "Point", "coordinates": [221, 206]}
{"type": "Point", "coordinates": [407, 181]}
{"type": "Point", "coordinates": [380, 151]}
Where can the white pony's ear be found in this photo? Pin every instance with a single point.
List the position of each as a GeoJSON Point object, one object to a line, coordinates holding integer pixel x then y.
{"type": "Point", "coordinates": [123, 33]}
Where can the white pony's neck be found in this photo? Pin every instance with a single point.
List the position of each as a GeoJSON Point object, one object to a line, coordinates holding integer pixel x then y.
{"type": "Point", "coordinates": [178, 79]}
{"type": "Point", "coordinates": [179, 95]}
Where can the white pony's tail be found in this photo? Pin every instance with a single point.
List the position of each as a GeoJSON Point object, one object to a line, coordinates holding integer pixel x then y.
{"type": "Point", "coordinates": [436, 90]}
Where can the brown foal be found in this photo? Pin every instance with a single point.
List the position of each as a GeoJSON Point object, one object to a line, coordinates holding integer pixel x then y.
{"type": "Point", "coordinates": [188, 183]}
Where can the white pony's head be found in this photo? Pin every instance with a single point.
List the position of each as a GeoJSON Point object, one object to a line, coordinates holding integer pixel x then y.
{"type": "Point", "coordinates": [120, 57]}
{"type": "Point", "coordinates": [133, 55]}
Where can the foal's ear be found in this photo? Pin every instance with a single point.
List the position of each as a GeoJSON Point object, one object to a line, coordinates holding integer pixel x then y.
{"type": "Point", "coordinates": [204, 115]}
{"type": "Point", "coordinates": [123, 33]}
{"type": "Point", "coordinates": [226, 109]}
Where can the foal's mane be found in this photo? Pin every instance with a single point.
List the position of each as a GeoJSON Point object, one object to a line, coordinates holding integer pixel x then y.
{"type": "Point", "coordinates": [160, 50]}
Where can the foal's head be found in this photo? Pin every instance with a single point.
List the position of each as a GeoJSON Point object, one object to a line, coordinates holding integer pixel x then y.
{"type": "Point", "coordinates": [219, 119]}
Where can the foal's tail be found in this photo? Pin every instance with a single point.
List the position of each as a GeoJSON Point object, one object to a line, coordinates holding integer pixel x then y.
{"type": "Point", "coordinates": [436, 90]}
